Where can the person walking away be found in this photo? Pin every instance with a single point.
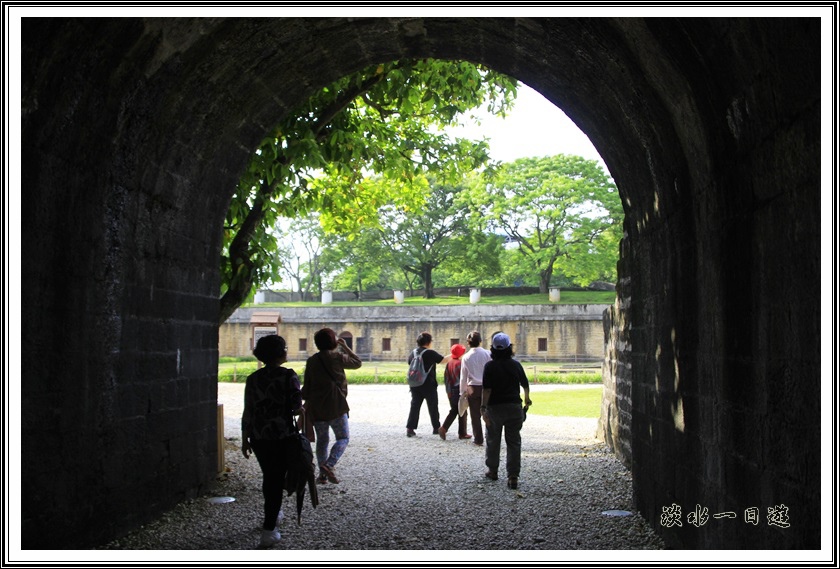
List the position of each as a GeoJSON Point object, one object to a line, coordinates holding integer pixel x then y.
{"type": "Point", "coordinates": [272, 398]}
{"type": "Point", "coordinates": [428, 390]}
{"type": "Point", "coordinates": [325, 394]}
{"type": "Point", "coordinates": [501, 409]}
{"type": "Point", "coordinates": [452, 383]}
{"type": "Point", "coordinates": [472, 377]}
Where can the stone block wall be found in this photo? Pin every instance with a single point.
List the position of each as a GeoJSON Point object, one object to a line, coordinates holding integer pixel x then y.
{"type": "Point", "coordinates": [570, 333]}
{"type": "Point", "coordinates": [724, 374]}
{"type": "Point", "coordinates": [615, 420]}
{"type": "Point", "coordinates": [236, 339]}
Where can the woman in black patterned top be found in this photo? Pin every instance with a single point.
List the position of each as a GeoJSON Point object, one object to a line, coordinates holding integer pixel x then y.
{"type": "Point", "coordinates": [272, 398]}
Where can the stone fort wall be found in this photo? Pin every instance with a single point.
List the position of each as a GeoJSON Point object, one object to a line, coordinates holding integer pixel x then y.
{"type": "Point", "coordinates": [538, 332]}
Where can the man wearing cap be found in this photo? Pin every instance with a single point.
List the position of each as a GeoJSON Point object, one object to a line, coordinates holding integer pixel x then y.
{"type": "Point", "coordinates": [501, 408]}
{"type": "Point", "coordinates": [472, 377]}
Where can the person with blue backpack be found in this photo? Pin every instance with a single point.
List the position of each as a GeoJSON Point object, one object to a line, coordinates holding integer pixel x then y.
{"type": "Point", "coordinates": [422, 381]}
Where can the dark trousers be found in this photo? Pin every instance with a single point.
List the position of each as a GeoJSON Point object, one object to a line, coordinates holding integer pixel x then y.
{"type": "Point", "coordinates": [453, 414]}
{"type": "Point", "coordinates": [428, 393]}
{"type": "Point", "coordinates": [475, 414]}
{"type": "Point", "coordinates": [271, 454]}
{"type": "Point", "coordinates": [507, 417]}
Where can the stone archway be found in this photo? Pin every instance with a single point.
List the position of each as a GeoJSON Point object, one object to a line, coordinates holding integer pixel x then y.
{"type": "Point", "coordinates": [134, 132]}
{"type": "Point", "coordinates": [348, 337]}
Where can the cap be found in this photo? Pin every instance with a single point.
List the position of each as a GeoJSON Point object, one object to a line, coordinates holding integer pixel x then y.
{"type": "Point", "coordinates": [457, 350]}
{"type": "Point", "coordinates": [501, 341]}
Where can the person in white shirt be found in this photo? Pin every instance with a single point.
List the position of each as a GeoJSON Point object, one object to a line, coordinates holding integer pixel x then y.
{"type": "Point", "coordinates": [472, 377]}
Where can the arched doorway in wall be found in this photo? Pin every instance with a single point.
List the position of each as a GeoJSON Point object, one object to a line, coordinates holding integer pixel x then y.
{"type": "Point", "coordinates": [667, 172]}
{"type": "Point", "coordinates": [348, 337]}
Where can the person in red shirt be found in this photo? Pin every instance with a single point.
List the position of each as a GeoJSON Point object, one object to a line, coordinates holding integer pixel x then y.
{"type": "Point", "coordinates": [452, 384]}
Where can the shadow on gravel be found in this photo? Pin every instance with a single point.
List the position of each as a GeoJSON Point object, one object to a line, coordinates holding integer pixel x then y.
{"type": "Point", "coordinates": [423, 493]}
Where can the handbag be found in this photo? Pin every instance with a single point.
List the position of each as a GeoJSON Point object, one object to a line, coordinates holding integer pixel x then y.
{"type": "Point", "coordinates": [463, 405]}
{"type": "Point", "coordinates": [304, 424]}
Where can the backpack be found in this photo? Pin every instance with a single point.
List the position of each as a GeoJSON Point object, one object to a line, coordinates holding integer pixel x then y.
{"type": "Point", "coordinates": [416, 373]}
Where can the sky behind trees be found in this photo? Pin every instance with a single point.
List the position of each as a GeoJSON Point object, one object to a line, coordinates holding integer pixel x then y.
{"type": "Point", "coordinates": [535, 128]}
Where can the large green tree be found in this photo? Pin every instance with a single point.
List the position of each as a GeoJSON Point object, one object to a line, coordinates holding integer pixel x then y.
{"type": "Point", "coordinates": [360, 264]}
{"type": "Point", "coordinates": [386, 119]}
{"type": "Point", "coordinates": [478, 262]}
{"type": "Point", "coordinates": [563, 212]}
{"type": "Point", "coordinates": [440, 232]}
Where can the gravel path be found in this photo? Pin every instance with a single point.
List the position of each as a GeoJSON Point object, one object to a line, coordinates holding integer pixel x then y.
{"type": "Point", "coordinates": [422, 493]}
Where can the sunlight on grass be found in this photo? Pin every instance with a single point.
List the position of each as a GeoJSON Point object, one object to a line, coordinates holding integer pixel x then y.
{"type": "Point", "coordinates": [392, 372]}
{"type": "Point", "coordinates": [585, 402]}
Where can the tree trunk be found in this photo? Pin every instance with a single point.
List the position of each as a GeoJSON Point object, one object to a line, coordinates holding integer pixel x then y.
{"type": "Point", "coordinates": [428, 285]}
{"type": "Point", "coordinates": [545, 279]}
{"type": "Point", "coordinates": [407, 276]}
{"type": "Point", "coordinates": [240, 259]}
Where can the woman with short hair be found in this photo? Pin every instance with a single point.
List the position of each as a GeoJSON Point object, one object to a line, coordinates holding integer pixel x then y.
{"type": "Point", "coordinates": [325, 393]}
{"type": "Point", "coordinates": [272, 398]}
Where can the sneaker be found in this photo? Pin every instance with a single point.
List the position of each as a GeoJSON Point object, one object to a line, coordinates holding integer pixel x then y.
{"type": "Point", "coordinates": [442, 433]}
{"type": "Point", "coordinates": [410, 433]}
{"type": "Point", "coordinates": [269, 537]}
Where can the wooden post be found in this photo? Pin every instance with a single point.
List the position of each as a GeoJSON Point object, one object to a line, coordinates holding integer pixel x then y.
{"type": "Point", "coordinates": [220, 438]}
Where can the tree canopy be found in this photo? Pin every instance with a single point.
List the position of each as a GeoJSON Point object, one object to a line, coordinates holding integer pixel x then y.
{"type": "Point", "coordinates": [562, 211]}
{"type": "Point", "coordinates": [566, 202]}
{"type": "Point", "coordinates": [385, 119]}
{"type": "Point", "coordinates": [419, 242]}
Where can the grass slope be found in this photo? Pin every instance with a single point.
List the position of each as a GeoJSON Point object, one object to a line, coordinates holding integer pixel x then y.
{"type": "Point", "coordinates": [566, 297]}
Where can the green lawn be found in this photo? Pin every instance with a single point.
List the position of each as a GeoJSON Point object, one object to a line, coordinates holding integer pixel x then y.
{"type": "Point", "coordinates": [237, 369]}
{"type": "Point", "coordinates": [584, 402]}
{"type": "Point", "coordinates": [566, 297]}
